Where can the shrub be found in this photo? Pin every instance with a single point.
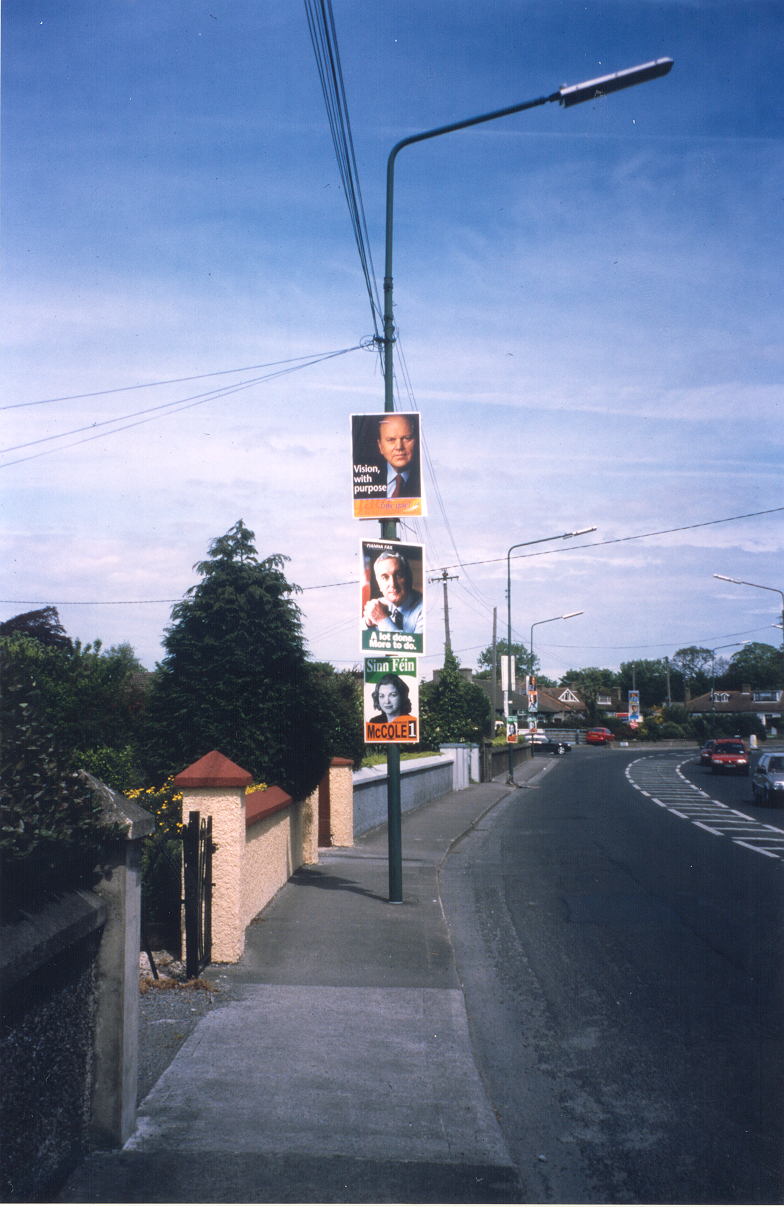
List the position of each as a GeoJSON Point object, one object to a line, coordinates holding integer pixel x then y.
{"type": "Point", "coordinates": [51, 831]}
{"type": "Point", "coordinates": [452, 710]}
{"type": "Point", "coordinates": [116, 768]}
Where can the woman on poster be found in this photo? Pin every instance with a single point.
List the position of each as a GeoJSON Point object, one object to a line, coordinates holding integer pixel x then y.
{"type": "Point", "coordinates": [392, 698]}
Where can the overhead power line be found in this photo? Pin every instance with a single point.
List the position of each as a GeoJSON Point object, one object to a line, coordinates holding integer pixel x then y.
{"type": "Point", "coordinates": [332, 585]}
{"type": "Point", "coordinates": [321, 23]}
{"type": "Point", "coordinates": [182, 379]}
{"type": "Point", "coordinates": [165, 410]}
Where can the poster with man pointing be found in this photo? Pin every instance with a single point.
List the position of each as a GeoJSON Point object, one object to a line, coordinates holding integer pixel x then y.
{"type": "Point", "coordinates": [392, 606]}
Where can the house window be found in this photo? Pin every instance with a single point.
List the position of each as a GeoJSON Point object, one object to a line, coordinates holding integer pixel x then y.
{"type": "Point", "coordinates": [766, 697]}
{"type": "Point", "coordinates": [568, 697]}
{"type": "Point", "coordinates": [604, 700]}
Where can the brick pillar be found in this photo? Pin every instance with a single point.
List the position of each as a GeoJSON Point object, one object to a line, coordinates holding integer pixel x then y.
{"type": "Point", "coordinates": [214, 786]}
{"type": "Point", "coordinates": [341, 799]}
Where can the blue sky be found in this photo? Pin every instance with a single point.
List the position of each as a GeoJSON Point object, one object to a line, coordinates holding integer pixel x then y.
{"type": "Point", "coordinates": [589, 304]}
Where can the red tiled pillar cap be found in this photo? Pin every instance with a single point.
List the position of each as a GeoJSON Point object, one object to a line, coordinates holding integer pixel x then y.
{"type": "Point", "coordinates": [342, 763]}
{"type": "Point", "coordinates": [213, 771]}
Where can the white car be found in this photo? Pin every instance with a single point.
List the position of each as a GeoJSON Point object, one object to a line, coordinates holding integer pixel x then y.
{"type": "Point", "coordinates": [767, 782]}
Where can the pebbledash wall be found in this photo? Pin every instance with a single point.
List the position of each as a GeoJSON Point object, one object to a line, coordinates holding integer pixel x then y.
{"type": "Point", "coordinates": [262, 837]}
{"type": "Point", "coordinates": [260, 840]}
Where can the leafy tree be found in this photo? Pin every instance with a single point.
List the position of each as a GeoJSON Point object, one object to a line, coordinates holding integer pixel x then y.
{"type": "Point", "coordinates": [43, 626]}
{"type": "Point", "coordinates": [235, 677]}
{"type": "Point", "coordinates": [758, 664]}
{"type": "Point", "coordinates": [648, 676]}
{"type": "Point", "coordinates": [452, 710]}
{"type": "Point", "coordinates": [589, 682]}
{"type": "Point", "coordinates": [520, 654]}
{"type": "Point", "coordinates": [50, 830]}
{"type": "Point", "coordinates": [88, 699]}
{"type": "Point", "coordinates": [695, 665]}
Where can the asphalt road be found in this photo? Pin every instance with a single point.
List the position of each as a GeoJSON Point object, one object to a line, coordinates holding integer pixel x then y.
{"type": "Point", "coordinates": [618, 934]}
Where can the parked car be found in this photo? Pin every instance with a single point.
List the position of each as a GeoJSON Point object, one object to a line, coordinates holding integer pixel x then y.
{"type": "Point", "coordinates": [706, 752]}
{"type": "Point", "coordinates": [543, 744]}
{"type": "Point", "coordinates": [599, 736]}
{"type": "Point", "coordinates": [767, 781]}
{"type": "Point", "coordinates": [730, 755]}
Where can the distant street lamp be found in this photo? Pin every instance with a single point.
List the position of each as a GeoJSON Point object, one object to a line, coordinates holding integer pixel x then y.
{"type": "Point", "coordinates": [757, 586]}
{"type": "Point", "coordinates": [536, 624]}
{"type": "Point", "coordinates": [525, 544]}
{"type": "Point", "coordinates": [567, 96]}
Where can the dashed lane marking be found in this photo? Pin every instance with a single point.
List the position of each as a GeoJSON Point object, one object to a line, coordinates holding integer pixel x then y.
{"type": "Point", "coordinates": [661, 780]}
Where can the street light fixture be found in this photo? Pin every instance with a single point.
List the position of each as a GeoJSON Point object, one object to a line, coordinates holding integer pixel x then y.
{"type": "Point", "coordinates": [757, 586]}
{"type": "Point", "coordinates": [567, 95]}
{"type": "Point", "coordinates": [536, 624]}
{"type": "Point", "coordinates": [567, 535]}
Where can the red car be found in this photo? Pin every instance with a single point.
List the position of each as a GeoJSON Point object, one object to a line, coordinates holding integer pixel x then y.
{"type": "Point", "coordinates": [730, 755]}
{"type": "Point", "coordinates": [706, 752]}
{"type": "Point", "coordinates": [599, 736]}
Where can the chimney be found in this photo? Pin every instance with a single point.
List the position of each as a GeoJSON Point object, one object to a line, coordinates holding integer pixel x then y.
{"type": "Point", "coordinates": [746, 689]}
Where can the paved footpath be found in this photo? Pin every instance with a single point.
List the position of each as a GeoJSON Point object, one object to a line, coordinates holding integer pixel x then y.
{"type": "Point", "coordinates": [342, 1071]}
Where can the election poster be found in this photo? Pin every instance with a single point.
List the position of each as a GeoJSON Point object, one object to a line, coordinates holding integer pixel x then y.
{"type": "Point", "coordinates": [391, 700]}
{"type": "Point", "coordinates": [386, 465]}
{"type": "Point", "coordinates": [392, 604]}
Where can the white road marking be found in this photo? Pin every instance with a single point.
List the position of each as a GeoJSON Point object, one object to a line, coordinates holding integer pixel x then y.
{"type": "Point", "coordinates": [670, 789]}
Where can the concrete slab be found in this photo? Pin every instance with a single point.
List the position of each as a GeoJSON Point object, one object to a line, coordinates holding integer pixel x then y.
{"type": "Point", "coordinates": [378, 1073]}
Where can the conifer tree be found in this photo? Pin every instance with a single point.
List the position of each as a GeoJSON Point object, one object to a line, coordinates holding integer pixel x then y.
{"type": "Point", "coordinates": [236, 677]}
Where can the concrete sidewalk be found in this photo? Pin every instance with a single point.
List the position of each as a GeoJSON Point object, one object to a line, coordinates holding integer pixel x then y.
{"type": "Point", "coordinates": [343, 1069]}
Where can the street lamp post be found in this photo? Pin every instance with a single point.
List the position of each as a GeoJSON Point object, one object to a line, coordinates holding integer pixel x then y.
{"type": "Point", "coordinates": [567, 535]}
{"type": "Point", "coordinates": [757, 586]}
{"type": "Point", "coordinates": [567, 96]}
{"type": "Point", "coordinates": [536, 624]}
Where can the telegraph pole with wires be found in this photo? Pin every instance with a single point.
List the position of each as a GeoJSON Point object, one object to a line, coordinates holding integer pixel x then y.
{"type": "Point", "coordinates": [446, 577]}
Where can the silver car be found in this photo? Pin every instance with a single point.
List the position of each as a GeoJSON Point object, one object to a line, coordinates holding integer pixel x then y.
{"type": "Point", "coordinates": [767, 782]}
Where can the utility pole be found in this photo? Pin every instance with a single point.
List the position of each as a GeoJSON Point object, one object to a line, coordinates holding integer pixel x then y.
{"type": "Point", "coordinates": [495, 676]}
{"type": "Point", "coordinates": [669, 688]}
{"type": "Point", "coordinates": [446, 577]}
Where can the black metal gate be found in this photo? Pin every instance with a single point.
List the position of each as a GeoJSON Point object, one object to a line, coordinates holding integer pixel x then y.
{"type": "Point", "coordinates": [197, 849]}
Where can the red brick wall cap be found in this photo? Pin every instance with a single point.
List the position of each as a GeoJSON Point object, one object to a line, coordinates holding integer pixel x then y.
{"type": "Point", "coordinates": [264, 803]}
{"type": "Point", "coordinates": [342, 763]}
{"type": "Point", "coordinates": [213, 770]}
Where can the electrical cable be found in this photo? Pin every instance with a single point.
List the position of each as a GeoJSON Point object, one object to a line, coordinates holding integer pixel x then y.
{"type": "Point", "coordinates": [182, 379]}
{"type": "Point", "coordinates": [323, 36]}
{"type": "Point", "coordinates": [435, 568]}
{"type": "Point", "coordinates": [188, 402]}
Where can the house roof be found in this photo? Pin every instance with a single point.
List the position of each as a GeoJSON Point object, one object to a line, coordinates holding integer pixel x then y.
{"type": "Point", "coordinates": [767, 700]}
{"type": "Point", "coordinates": [551, 699]}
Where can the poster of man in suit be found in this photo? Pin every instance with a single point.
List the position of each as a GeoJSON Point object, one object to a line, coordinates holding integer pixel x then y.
{"type": "Point", "coordinates": [386, 469]}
